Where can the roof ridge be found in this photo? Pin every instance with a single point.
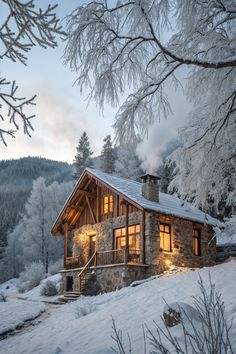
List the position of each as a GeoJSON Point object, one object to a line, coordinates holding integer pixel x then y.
{"type": "Point", "coordinates": [111, 175]}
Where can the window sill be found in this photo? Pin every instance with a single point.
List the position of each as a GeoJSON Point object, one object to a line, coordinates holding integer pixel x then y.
{"type": "Point", "coordinates": [167, 252]}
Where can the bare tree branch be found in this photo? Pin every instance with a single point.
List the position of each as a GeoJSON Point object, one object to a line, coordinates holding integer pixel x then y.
{"type": "Point", "coordinates": [23, 28]}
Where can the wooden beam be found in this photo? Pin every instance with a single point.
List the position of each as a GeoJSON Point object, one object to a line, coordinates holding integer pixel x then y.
{"type": "Point", "coordinates": [117, 205]}
{"type": "Point", "coordinates": [82, 195]}
{"type": "Point", "coordinates": [89, 194]}
{"type": "Point", "coordinates": [143, 238]}
{"type": "Point", "coordinates": [99, 204]}
{"type": "Point", "coordinates": [90, 209]}
{"type": "Point", "coordinates": [66, 243]}
{"type": "Point", "coordinates": [75, 218]}
{"type": "Point", "coordinates": [126, 233]}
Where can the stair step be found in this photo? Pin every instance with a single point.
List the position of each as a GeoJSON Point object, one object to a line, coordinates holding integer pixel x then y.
{"type": "Point", "coordinates": [87, 277]}
{"type": "Point", "coordinates": [72, 295]}
{"type": "Point", "coordinates": [67, 299]}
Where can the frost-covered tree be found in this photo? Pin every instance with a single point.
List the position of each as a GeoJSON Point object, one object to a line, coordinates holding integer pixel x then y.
{"type": "Point", "coordinates": [141, 45]}
{"type": "Point", "coordinates": [83, 155]}
{"type": "Point", "coordinates": [35, 221]}
{"type": "Point", "coordinates": [23, 26]}
{"type": "Point", "coordinates": [41, 209]}
{"type": "Point", "coordinates": [12, 264]}
{"type": "Point", "coordinates": [108, 156]}
{"type": "Point", "coordinates": [128, 164]}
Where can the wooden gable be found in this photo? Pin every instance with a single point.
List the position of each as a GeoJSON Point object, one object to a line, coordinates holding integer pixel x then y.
{"type": "Point", "coordinates": [86, 204]}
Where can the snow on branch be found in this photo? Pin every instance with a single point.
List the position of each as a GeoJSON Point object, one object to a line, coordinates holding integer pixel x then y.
{"type": "Point", "coordinates": [128, 54]}
{"type": "Point", "coordinates": [120, 47]}
{"type": "Point", "coordinates": [23, 28]}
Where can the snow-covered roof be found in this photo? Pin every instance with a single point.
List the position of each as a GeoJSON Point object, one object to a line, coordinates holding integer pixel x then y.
{"type": "Point", "coordinates": [168, 204]}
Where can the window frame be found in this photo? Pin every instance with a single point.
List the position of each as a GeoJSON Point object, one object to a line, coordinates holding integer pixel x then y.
{"type": "Point", "coordinates": [136, 234]}
{"type": "Point", "coordinates": [198, 238]}
{"type": "Point", "coordinates": [109, 204]}
{"type": "Point", "coordinates": [165, 233]}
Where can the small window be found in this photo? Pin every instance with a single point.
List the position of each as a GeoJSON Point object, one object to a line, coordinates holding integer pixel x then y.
{"type": "Point", "coordinates": [165, 237]}
{"type": "Point", "coordinates": [108, 204]}
{"type": "Point", "coordinates": [196, 242]}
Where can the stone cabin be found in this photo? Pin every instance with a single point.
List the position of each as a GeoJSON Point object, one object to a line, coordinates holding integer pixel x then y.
{"type": "Point", "coordinates": [118, 230]}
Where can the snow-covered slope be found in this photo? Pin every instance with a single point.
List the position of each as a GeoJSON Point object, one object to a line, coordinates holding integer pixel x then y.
{"type": "Point", "coordinates": [66, 332]}
{"type": "Point", "coordinates": [15, 313]}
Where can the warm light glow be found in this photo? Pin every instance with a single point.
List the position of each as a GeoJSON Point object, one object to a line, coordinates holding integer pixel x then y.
{"type": "Point", "coordinates": [165, 237]}
{"type": "Point", "coordinates": [168, 262]}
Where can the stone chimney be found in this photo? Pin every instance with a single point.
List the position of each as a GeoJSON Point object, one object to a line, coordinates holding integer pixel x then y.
{"type": "Point", "coordinates": [150, 187]}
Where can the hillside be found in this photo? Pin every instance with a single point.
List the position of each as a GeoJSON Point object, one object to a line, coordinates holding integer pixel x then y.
{"type": "Point", "coordinates": [85, 326]}
{"type": "Point", "coordinates": [16, 179]}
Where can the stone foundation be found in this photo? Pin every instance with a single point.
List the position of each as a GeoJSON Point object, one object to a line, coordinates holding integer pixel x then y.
{"type": "Point", "coordinates": [115, 277]}
{"type": "Point", "coordinates": [108, 278]}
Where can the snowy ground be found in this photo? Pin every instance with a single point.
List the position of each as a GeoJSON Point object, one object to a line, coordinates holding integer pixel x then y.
{"type": "Point", "coordinates": [84, 327]}
{"type": "Point", "coordinates": [20, 308]}
{"type": "Point", "coordinates": [15, 313]}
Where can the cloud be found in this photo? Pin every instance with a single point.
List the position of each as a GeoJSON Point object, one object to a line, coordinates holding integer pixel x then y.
{"type": "Point", "coordinates": [60, 120]}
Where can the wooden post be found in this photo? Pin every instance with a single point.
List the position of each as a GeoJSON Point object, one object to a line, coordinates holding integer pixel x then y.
{"type": "Point", "coordinates": [99, 204]}
{"type": "Point", "coordinates": [143, 259]}
{"type": "Point", "coordinates": [65, 243]}
{"type": "Point", "coordinates": [126, 233]}
{"type": "Point", "coordinates": [96, 259]}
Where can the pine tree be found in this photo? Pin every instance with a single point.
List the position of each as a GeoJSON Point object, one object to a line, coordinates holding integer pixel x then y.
{"type": "Point", "coordinates": [83, 156]}
{"type": "Point", "coordinates": [108, 156]}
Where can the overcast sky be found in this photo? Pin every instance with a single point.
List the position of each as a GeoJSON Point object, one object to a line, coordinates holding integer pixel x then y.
{"type": "Point", "coordinates": [62, 113]}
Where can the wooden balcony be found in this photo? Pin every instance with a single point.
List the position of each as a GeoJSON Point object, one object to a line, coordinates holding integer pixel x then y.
{"type": "Point", "coordinates": [73, 262]}
{"type": "Point", "coordinates": [105, 258]}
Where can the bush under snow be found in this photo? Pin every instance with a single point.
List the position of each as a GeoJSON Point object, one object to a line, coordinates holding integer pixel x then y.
{"type": "Point", "coordinates": [32, 276]}
{"type": "Point", "coordinates": [49, 288]}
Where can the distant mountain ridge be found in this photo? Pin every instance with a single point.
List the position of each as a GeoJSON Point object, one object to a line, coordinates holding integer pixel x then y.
{"type": "Point", "coordinates": [16, 180]}
{"type": "Point", "coordinates": [26, 169]}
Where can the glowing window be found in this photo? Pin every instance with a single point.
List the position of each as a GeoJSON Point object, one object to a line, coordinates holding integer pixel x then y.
{"type": "Point", "coordinates": [196, 242]}
{"type": "Point", "coordinates": [108, 204]}
{"type": "Point", "coordinates": [165, 237]}
{"type": "Point", "coordinates": [134, 238]}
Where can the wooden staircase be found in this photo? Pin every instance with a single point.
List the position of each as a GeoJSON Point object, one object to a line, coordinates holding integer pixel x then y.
{"type": "Point", "coordinates": [84, 277]}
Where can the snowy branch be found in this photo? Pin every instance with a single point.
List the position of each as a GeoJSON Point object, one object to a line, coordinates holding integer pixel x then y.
{"type": "Point", "coordinates": [115, 47]}
{"type": "Point", "coordinates": [23, 28]}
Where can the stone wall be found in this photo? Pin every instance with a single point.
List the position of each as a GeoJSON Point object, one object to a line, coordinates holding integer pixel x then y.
{"type": "Point", "coordinates": [117, 276]}
{"type": "Point", "coordinates": [181, 236]}
{"type": "Point", "coordinates": [104, 235]}
{"type": "Point", "coordinates": [74, 274]}
{"type": "Point", "coordinates": [108, 278]}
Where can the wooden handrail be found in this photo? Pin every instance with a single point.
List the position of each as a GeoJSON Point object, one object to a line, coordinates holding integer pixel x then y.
{"type": "Point", "coordinates": [110, 251]}
{"type": "Point", "coordinates": [85, 268]}
{"type": "Point", "coordinates": [110, 257]}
